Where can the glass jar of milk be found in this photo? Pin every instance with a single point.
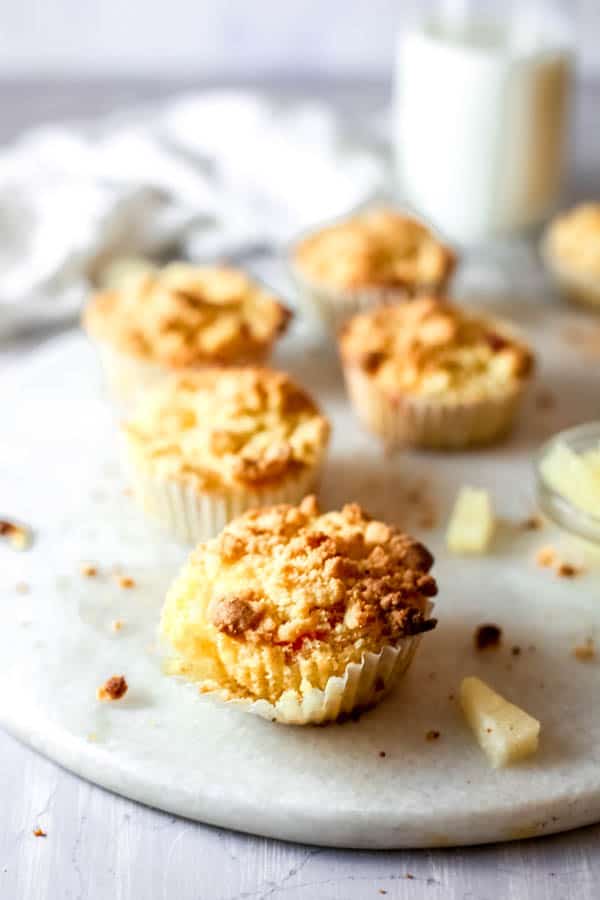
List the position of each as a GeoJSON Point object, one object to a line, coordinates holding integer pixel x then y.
{"type": "Point", "coordinates": [481, 115]}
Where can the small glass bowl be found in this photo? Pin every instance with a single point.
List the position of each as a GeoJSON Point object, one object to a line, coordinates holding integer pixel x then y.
{"type": "Point", "coordinates": [558, 509]}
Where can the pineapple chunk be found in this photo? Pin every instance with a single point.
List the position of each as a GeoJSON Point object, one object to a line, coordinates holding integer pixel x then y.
{"type": "Point", "coordinates": [471, 525]}
{"type": "Point", "coordinates": [505, 733]}
{"type": "Point", "coordinates": [575, 476]}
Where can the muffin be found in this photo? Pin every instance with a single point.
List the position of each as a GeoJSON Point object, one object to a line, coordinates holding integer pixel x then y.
{"type": "Point", "coordinates": [177, 319]}
{"type": "Point", "coordinates": [571, 250]}
{"type": "Point", "coordinates": [429, 374]}
{"type": "Point", "coordinates": [299, 616]}
{"type": "Point", "coordinates": [378, 256]}
{"type": "Point", "coordinates": [204, 447]}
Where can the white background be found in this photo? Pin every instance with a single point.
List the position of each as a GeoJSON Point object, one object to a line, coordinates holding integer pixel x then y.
{"type": "Point", "coordinates": [224, 38]}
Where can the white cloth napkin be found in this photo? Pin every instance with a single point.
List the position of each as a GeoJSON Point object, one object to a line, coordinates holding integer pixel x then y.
{"type": "Point", "coordinates": [213, 174]}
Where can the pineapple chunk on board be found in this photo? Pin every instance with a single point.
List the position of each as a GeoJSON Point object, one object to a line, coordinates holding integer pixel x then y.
{"type": "Point", "coordinates": [505, 733]}
{"type": "Point", "coordinates": [471, 526]}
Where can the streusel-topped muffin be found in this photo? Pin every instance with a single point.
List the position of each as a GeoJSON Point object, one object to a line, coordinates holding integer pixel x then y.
{"type": "Point", "coordinates": [376, 256]}
{"type": "Point", "coordinates": [571, 250]}
{"type": "Point", "coordinates": [180, 318]}
{"type": "Point", "coordinates": [205, 446]}
{"type": "Point", "coordinates": [302, 615]}
{"type": "Point", "coordinates": [432, 374]}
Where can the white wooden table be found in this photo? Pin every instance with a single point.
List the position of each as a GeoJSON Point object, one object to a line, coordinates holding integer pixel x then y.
{"type": "Point", "coordinates": [102, 846]}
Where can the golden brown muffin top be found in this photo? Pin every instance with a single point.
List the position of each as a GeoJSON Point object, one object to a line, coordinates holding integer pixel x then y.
{"type": "Point", "coordinates": [379, 249]}
{"type": "Point", "coordinates": [431, 348]}
{"type": "Point", "coordinates": [289, 575]}
{"type": "Point", "coordinates": [185, 315]}
{"type": "Point", "coordinates": [573, 239]}
{"type": "Point", "coordinates": [227, 428]}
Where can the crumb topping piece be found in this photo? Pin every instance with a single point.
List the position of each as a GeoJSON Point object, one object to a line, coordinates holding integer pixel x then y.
{"type": "Point", "coordinates": [39, 832]}
{"type": "Point", "coordinates": [378, 248]}
{"type": "Point", "coordinates": [88, 570]}
{"type": "Point", "coordinates": [487, 636]}
{"type": "Point", "coordinates": [586, 651]}
{"type": "Point", "coordinates": [228, 427]}
{"type": "Point", "coordinates": [125, 581]}
{"type": "Point", "coordinates": [186, 315]}
{"type": "Point", "coordinates": [113, 689]}
{"type": "Point", "coordinates": [309, 577]}
{"type": "Point", "coordinates": [18, 536]}
{"type": "Point", "coordinates": [432, 348]}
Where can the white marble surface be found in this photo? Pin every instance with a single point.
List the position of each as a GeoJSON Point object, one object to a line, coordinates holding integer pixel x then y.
{"type": "Point", "coordinates": [102, 846]}
{"type": "Point", "coordinates": [167, 747]}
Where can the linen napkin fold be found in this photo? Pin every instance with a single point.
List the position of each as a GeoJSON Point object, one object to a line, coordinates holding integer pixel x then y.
{"type": "Point", "coordinates": [207, 175]}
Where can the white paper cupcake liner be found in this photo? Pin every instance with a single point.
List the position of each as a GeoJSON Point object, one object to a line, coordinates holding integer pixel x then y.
{"type": "Point", "coordinates": [361, 686]}
{"type": "Point", "coordinates": [419, 422]}
{"type": "Point", "coordinates": [126, 376]}
{"type": "Point", "coordinates": [334, 308]}
{"type": "Point", "coordinates": [193, 516]}
{"type": "Point", "coordinates": [580, 289]}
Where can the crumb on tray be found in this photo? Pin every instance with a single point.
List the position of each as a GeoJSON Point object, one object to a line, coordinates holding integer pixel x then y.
{"type": "Point", "coordinates": [113, 689]}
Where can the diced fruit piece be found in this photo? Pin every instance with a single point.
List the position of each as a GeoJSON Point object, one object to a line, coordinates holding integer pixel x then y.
{"type": "Point", "coordinates": [575, 476]}
{"type": "Point", "coordinates": [471, 525]}
{"type": "Point", "coordinates": [505, 733]}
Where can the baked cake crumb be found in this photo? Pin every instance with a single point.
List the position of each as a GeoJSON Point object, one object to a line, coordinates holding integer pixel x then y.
{"type": "Point", "coordinates": [89, 570]}
{"type": "Point", "coordinates": [432, 735]}
{"type": "Point", "coordinates": [487, 636]}
{"type": "Point", "coordinates": [113, 689]}
{"type": "Point", "coordinates": [117, 625]}
{"type": "Point", "coordinates": [516, 650]}
{"type": "Point", "coordinates": [382, 753]}
{"type": "Point", "coordinates": [39, 832]}
{"type": "Point", "coordinates": [545, 557]}
{"type": "Point", "coordinates": [18, 536]}
{"type": "Point", "coordinates": [586, 651]}
{"type": "Point", "coordinates": [125, 582]}
{"type": "Point", "coordinates": [567, 570]}
{"type": "Point", "coordinates": [532, 523]}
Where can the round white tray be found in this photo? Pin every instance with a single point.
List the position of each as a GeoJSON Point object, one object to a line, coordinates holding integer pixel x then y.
{"type": "Point", "coordinates": [166, 746]}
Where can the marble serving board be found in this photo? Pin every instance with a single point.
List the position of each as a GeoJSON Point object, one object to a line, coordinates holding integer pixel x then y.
{"type": "Point", "coordinates": [375, 782]}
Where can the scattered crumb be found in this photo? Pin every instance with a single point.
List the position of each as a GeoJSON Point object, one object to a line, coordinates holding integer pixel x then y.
{"type": "Point", "coordinates": [432, 735]}
{"type": "Point", "coordinates": [18, 536]}
{"type": "Point", "coordinates": [117, 625]}
{"type": "Point", "coordinates": [379, 683]}
{"type": "Point", "coordinates": [516, 650]}
{"type": "Point", "coordinates": [567, 570]}
{"type": "Point", "coordinates": [382, 753]}
{"type": "Point", "coordinates": [532, 523]}
{"type": "Point", "coordinates": [545, 557]}
{"type": "Point", "coordinates": [450, 696]}
{"type": "Point", "coordinates": [586, 651]}
{"type": "Point", "coordinates": [89, 570]}
{"type": "Point", "coordinates": [22, 587]}
{"type": "Point", "coordinates": [409, 876]}
{"type": "Point", "coordinates": [39, 832]}
{"type": "Point", "coordinates": [113, 689]}
{"type": "Point", "coordinates": [381, 891]}
{"type": "Point", "coordinates": [545, 400]}
{"type": "Point", "coordinates": [487, 636]}
{"type": "Point", "coordinates": [125, 582]}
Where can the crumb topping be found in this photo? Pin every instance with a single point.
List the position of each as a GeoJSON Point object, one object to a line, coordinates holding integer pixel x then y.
{"type": "Point", "coordinates": [290, 576]}
{"type": "Point", "coordinates": [379, 249]}
{"type": "Point", "coordinates": [39, 832]}
{"type": "Point", "coordinates": [228, 427]}
{"type": "Point", "coordinates": [487, 636]}
{"type": "Point", "coordinates": [113, 689]}
{"type": "Point", "coordinates": [125, 582]}
{"type": "Point", "coordinates": [184, 315]}
{"type": "Point", "coordinates": [574, 239]}
{"type": "Point", "coordinates": [88, 570]}
{"type": "Point", "coordinates": [586, 651]}
{"type": "Point", "coordinates": [18, 536]}
{"type": "Point", "coordinates": [432, 348]}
